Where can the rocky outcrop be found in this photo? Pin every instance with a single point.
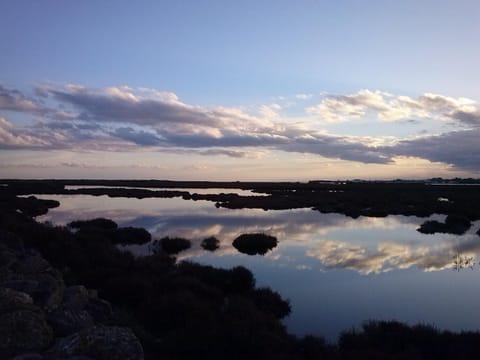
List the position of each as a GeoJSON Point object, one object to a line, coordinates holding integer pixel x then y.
{"type": "Point", "coordinates": [41, 318]}
{"type": "Point", "coordinates": [115, 343]}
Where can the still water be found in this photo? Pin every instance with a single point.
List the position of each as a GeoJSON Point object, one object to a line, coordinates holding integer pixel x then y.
{"type": "Point", "coordinates": [336, 271]}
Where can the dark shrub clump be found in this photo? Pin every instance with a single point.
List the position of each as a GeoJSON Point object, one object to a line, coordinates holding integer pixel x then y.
{"type": "Point", "coordinates": [454, 224]}
{"type": "Point", "coordinates": [131, 235]}
{"type": "Point", "coordinates": [98, 223]}
{"type": "Point", "coordinates": [170, 245]}
{"type": "Point", "coordinates": [253, 244]}
{"type": "Point", "coordinates": [211, 243]}
{"type": "Point", "coordinates": [270, 301]}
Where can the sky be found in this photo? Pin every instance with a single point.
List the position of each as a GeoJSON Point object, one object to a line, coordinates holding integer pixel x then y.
{"type": "Point", "coordinates": [240, 90]}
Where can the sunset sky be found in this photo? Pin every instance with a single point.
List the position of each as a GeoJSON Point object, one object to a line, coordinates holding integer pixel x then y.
{"type": "Point", "coordinates": [240, 90]}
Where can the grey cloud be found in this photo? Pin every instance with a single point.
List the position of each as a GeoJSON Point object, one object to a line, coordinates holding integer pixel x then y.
{"type": "Point", "coordinates": [226, 152]}
{"type": "Point", "coordinates": [460, 148]}
{"type": "Point", "coordinates": [97, 106]}
{"type": "Point", "coordinates": [469, 118]}
{"type": "Point", "coordinates": [151, 118]}
{"type": "Point", "coordinates": [14, 100]}
{"type": "Point", "coordinates": [138, 137]}
{"type": "Point", "coordinates": [337, 147]}
{"type": "Point", "coordinates": [228, 140]}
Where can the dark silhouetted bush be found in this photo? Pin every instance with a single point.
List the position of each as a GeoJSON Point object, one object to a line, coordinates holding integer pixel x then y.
{"type": "Point", "coordinates": [253, 244]}
{"type": "Point", "coordinates": [241, 279]}
{"type": "Point", "coordinates": [211, 243]}
{"type": "Point", "coordinates": [170, 245]}
{"type": "Point", "coordinates": [268, 300]}
{"type": "Point", "coordinates": [454, 224]}
{"type": "Point", "coordinates": [99, 223]}
{"type": "Point", "coordinates": [131, 235]}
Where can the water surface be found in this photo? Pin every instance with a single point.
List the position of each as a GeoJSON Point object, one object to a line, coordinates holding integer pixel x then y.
{"type": "Point", "coordinates": [336, 271]}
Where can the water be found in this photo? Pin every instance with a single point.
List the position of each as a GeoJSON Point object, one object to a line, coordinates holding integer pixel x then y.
{"type": "Point", "coordinates": [335, 270]}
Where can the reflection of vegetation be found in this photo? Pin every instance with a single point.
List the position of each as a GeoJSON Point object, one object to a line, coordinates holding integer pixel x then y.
{"type": "Point", "coordinates": [461, 262]}
{"type": "Point", "coordinates": [110, 230]}
{"type": "Point", "coordinates": [211, 243]}
{"type": "Point", "coordinates": [170, 245]}
{"type": "Point", "coordinates": [100, 223]}
{"type": "Point", "coordinates": [253, 244]}
{"type": "Point", "coordinates": [454, 224]}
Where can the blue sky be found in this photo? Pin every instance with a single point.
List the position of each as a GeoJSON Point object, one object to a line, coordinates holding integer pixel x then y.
{"type": "Point", "coordinates": [239, 90]}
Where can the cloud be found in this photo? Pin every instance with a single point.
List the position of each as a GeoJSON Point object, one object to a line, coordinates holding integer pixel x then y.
{"type": "Point", "coordinates": [137, 106]}
{"type": "Point", "coordinates": [11, 137]}
{"type": "Point", "coordinates": [142, 138]}
{"type": "Point", "coordinates": [14, 100]}
{"type": "Point", "coordinates": [385, 257]}
{"type": "Point", "coordinates": [127, 119]}
{"type": "Point", "coordinates": [459, 148]}
{"type": "Point", "coordinates": [339, 147]}
{"type": "Point", "coordinates": [388, 107]}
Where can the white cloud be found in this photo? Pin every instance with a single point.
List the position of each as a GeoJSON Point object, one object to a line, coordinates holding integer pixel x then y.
{"type": "Point", "coordinates": [123, 118]}
{"type": "Point", "coordinates": [388, 107]}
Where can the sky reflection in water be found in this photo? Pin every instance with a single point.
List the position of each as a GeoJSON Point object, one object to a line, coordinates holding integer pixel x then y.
{"type": "Point", "coordinates": [336, 271]}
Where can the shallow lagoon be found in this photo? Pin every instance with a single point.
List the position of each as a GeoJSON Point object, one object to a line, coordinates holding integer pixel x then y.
{"type": "Point", "coordinates": [336, 271]}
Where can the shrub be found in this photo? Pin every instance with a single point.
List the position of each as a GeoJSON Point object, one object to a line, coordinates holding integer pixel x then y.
{"type": "Point", "coordinates": [256, 243]}
{"type": "Point", "coordinates": [211, 243]}
{"type": "Point", "coordinates": [171, 245]}
{"type": "Point", "coordinates": [131, 235]}
{"type": "Point", "coordinates": [99, 223]}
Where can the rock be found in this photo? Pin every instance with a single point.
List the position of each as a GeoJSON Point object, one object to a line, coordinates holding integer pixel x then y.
{"type": "Point", "coordinates": [100, 309]}
{"type": "Point", "coordinates": [33, 264]}
{"type": "Point", "coordinates": [22, 331]}
{"type": "Point", "coordinates": [11, 241]}
{"type": "Point", "coordinates": [93, 293]}
{"type": "Point", "coordinates": [112, 343]}
{"type": "Point", "coordinates": [19, 283]}
{"type": "Point", "coordinates": [28, 356]}
{"type": "Point", "coordinates": [11, 300]}
{"type": "Point", "coordinates": [65, 321]}
{"type": "Point", "coordinates": [75, 297]}
{"type": "Point", "coordinates": [49, 293]}
{"type": "Point", "coordinates": [7, 258]}
{"type": "Point", "coordinates": [46, 289]}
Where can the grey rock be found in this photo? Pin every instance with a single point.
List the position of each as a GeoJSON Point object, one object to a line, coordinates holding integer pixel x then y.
{"type": "Point", "coordinates": [11, 241]}
{"type": "Point", "coordinates": [22, 331]}
{"type": "Point", "coordinates": [93, 293]}
{"type": "Point", "coordinates": [32, 264]}
{"type": "Point", "coordinates": [11, 300]}
{"type": "Point", "coordinates": [75, 297]}
{"type": "Point", "coordinates": [19, 283]}
{"type": "Point", "coordinates": [46, 289]}
{"type": "Point", "coordinates": [28, 356]}
{"type": "Point", "coordinates": [7, 258]}
{"type": "Point", "coordinates": [65, 321]}
{"type": "Point", "coordinates": [100, 309]}
{"type": "Point", "coordinates": [112, 343]}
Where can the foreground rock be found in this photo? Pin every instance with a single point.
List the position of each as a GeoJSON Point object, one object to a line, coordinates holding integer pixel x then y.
{"type": "Point", "coordinates": [42, 318]}
{"type": "Point", "coordinates": [114, 343]}
{"type": "Point", "coordinates": [23, 331]}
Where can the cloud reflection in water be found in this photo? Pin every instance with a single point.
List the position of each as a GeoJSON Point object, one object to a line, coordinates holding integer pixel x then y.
{"type": "Point", "coordinates": [365, 245]}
